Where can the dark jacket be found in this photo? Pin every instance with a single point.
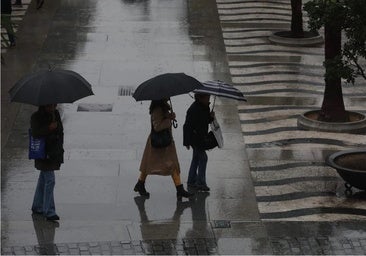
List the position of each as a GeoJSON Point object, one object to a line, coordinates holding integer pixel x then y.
{"type": "Point", "coordinates": [6, 6]}
{"type": "Point", "coordinates": [195, 128]}
{"type": "Point", "coordinates": [40, 121]}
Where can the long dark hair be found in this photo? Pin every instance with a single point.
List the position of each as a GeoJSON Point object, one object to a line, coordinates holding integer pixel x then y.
{"type": "Point", "coordinates": [163, 104]}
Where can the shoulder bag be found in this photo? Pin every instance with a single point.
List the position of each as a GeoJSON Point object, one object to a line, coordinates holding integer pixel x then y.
{"type": "Point", "coordinates": [160, 139]}
{"type": "Point", "coordinates": [37, 147]}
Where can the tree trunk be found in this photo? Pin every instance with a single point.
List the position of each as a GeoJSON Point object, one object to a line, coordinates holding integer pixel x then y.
{"type": "Point", "coordinates": [333, 109]}
{"type": "Point", "coordinates": [296, 19]}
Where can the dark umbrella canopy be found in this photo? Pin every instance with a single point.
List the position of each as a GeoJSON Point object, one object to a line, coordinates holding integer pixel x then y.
{"type": "Point", "coordinates": [50, 87]}
{"type": "Point", "coordinates": [221, 89]}
{"type": "Point", "coordinates": [165, 86]}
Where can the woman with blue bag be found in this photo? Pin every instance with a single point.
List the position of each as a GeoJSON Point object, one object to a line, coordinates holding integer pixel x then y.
{"type": "Point", "coordinates": [46, 123]}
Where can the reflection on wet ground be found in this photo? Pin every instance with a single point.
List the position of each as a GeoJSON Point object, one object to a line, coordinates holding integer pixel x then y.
{"type": "Point", "coordinates": [45, 231]}
{"type": "Point", "coordinates": [118, 44]}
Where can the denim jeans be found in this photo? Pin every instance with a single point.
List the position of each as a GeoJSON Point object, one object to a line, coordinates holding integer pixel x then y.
{"type": "Point", "coordinates": [43, 201]}
{"type": "Point", "coordinates": [197, 171]}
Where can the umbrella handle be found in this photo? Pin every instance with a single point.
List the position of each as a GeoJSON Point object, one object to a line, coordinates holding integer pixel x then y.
{"type": "Point", "coordinates": [175, 123]}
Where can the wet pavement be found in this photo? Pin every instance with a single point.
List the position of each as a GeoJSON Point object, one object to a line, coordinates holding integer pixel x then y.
{"type": "Point", "coordinates": [117, 44]}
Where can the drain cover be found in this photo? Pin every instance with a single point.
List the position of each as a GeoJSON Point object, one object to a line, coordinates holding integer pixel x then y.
{"type": "Point", "coordinates": [126, 91]}
{"type": "Point", "coordinates": [221, 224]}
{"type": "Point", "coordinates": [87, 107]}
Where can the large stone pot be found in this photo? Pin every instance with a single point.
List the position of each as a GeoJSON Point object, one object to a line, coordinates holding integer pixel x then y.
{"type": "Point", "coordinates": [351, 166]}
{"type": "Point", "coordinates": [356, 125]}
{"type": "Point", "coordinates": [285, 38]}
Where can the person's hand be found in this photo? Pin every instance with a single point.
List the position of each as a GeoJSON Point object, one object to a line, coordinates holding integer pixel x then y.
{"type": "Point", "coordinates": [188, 147]}
{"type": "Point", "coordinates": [52, 126]}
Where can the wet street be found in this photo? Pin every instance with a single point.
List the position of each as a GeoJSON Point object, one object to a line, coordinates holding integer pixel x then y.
{"type": "Point", "coordinates": [271, 192]}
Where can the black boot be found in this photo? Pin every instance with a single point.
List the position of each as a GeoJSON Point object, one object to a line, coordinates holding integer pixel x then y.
{"type": "Point", "coordinates": [182, 193]}
{"type": "Point", "coordinates": [140, 187]}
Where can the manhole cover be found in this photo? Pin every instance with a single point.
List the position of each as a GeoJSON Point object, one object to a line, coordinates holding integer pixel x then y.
{"type": "Point", "coordinates": [221, 224]}
{"type": "Point", "coordinates": [126, 91]}
{"type": "Point", "coordinates": [87, 107]}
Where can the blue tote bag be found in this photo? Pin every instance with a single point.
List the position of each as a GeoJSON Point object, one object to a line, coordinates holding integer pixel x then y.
{"type": "Point", "coordinates": [37, 147]}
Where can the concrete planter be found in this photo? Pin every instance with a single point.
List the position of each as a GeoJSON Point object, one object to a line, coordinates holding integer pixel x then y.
{"type": "Point", "coordinates": [308, 121]}
{"type": "Point", "coordinates": [351, 166]}
{"type": "Point", "coordinates": [284, 38]}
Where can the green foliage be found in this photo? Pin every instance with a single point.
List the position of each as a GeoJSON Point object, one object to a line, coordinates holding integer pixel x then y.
{"type": "Point", "coordinates": [349, 16]}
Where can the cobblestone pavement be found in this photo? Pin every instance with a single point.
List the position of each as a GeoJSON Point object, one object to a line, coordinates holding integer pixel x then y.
{"type": "Point", "coordinates": [278, 246]}
{"type": "Point", "coordinates": [149, 247]}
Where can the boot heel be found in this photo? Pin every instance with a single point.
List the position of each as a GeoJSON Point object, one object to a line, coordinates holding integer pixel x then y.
{"type": "Point", "coordinates": [182, 193]}
{"type": "Point", "coordinates": [140, 187]}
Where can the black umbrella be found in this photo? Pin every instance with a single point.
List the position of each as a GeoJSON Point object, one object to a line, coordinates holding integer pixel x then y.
{"type": "Point", "coordinates": [165, 86]}
{"type": "Point", "coordinates": [50, 87]}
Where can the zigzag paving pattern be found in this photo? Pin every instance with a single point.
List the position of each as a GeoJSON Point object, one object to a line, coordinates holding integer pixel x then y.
{"type": "Point", "coordinates": [291, 179]}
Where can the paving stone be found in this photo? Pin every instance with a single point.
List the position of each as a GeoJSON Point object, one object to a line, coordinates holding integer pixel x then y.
{"type": "Point", "coordinates": [126, 246]}
{"type": "Point", "coordinates": [359, 251]}
{"type": "Point", "coordinates": [347, 246]}
{"type": "Point", "coordinates": [179, 247]}
{"type": "Point", "coordinates": [6, 250]}
{"type": "Point", "coordinates": [115, 243]}
{"type": "Point", "coordinates": [95, 252]}
{"type": "Point", "coordinates": [105, 247]}
{"type": "Point", "coordinates": [134, 243]}
{"type": "Point", "coordinates": [128, 252]}
{"type": "Point", "coordinates": [295, 250]}
{"type": "Point", "coordinates": [202, 252]}
{"type": "Point", "coordinates": [83, 248]}
{"type": "Point", "coordinates": [62, 249]}
{"type": "Point", "coordinates": [339, 252]}
{"type": "Point", "coordinates": [307, 250]}
{"type": "Point", "coordinates": [74, 251]}
{"type": "Point", "coordinates": [363, 241]}
{"type": "Point", "coordinates": [73, 246]}
{"type": "Point", "coordinates": [356, 243]}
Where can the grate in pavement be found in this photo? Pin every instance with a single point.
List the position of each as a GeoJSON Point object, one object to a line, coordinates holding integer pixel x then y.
{"type": "Point", "coordinates": [221, 224]}
{"type": "Point", "coordinates": [126, 91]}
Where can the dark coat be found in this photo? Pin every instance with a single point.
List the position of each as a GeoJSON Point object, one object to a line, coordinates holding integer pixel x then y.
{"type": "Point", "coordinates": [195, 128]}
{"type": "Point", "coordinates": [40, 121]}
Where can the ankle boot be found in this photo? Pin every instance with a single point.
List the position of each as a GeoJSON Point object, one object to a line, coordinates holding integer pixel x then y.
{"type": "Point", "coordinates": [182, 193]}
{"type": "Point", "coordinates": [140, 187]}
